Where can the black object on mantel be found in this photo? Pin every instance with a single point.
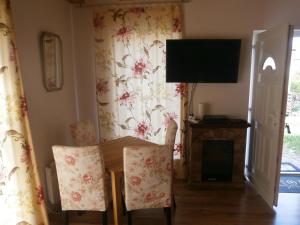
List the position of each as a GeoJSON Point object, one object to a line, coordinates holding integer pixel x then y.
{"type": "Point", "coordinates": [213, 121]}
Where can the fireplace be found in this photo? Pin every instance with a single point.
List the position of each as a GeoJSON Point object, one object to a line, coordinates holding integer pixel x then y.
{"type": "Point", "coordinates": [216, 154]}
{"type": "Point", "coordinates": [217, 160]}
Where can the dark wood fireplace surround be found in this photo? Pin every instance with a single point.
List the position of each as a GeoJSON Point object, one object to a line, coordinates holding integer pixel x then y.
{"type": "Point", "coordinates": [232, 130]}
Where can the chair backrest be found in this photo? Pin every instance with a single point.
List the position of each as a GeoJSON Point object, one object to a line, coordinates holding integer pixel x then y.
{"type": "Point", "coordinates": [171, 133]}
{"type": "Point", "coordinates": [81, 177]}
{"type": "Point", "coordinates": [148, 176]}
{"type": "Point", "coordinates": [83, 133]}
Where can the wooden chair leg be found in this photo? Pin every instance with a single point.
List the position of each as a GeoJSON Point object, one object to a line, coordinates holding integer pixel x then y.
{"type": "Point", "coordinates": [169, 219]}
{"type": "Point", "coordinates": [129, 218]}
{"type": "Point", "coordinates": [174, 201]}
{"type": "Point", "coordinates": [104, 218]}
{"type": "Point", "coordinates": [123, 205]}
{"type": "Point", "coordinates": [66, 218]}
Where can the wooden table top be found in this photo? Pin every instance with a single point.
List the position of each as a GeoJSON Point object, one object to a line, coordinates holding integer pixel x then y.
{"type": "Point", "coordinates": [113, 151]}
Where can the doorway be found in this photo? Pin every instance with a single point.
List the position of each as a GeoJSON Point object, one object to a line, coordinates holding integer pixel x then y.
{"type": "Point", "coordinates": [290, 164]}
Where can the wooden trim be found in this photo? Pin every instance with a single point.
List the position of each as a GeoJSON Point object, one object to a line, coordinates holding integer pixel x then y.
{"type": "Point", "coordinates": [122, 2]}
{"type": "Point", "coordinates": [76, 1]}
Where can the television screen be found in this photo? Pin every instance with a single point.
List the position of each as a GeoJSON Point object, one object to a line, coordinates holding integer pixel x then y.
{"type": "Point", "coordinates": [203, 60]}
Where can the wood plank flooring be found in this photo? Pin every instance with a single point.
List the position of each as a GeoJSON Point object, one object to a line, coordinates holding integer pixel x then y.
{"type": "Point", "coordinates": [209, 207]}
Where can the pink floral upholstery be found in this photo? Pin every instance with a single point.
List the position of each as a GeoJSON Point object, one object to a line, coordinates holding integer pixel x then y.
{"type": "Point", "coordinates": [171, 133]}
{"type": "Point", "coordinates": [81, 177]}
{"type": "Point", "coordinates": [83, 133]}
{"type": "Point", "coordinates": [148, 177]}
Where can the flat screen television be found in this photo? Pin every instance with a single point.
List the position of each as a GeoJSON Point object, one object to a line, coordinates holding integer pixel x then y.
{"type": "Point", "coordinates": [203, 60]}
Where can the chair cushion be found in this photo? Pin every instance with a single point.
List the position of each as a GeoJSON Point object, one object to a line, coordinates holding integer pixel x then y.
{"type": "Point", "coordinates": [148, 177]}
{"type": "Point", "coordinates": [81, 177]}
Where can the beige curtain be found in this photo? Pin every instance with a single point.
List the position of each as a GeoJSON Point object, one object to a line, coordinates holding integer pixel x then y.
{"type": "Point", "coordinates": [133, 96]}
{"type": "Point", "coordinates": [21, 195]}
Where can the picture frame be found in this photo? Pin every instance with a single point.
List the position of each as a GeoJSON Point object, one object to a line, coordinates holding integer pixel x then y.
{"type": "Point", "coordinates": [52, 61]}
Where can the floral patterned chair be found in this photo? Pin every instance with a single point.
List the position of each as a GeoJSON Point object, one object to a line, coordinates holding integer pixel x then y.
{"type": "Point", "coordinates": [148, 178]}
{"type": "Point", "coordinates": [83, 133]}
{"type": "Point", "coordinates": [81, 179]}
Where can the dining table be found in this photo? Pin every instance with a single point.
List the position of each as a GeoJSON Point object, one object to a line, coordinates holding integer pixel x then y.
{"type": "Point", "coordinates": [113, 160]}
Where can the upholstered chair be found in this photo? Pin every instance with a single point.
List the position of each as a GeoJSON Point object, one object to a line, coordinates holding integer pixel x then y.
{"type": "Point", "coordinates": [81, 179]}
{"type": "Point", "coordinates": [148, 178]}
{"type": "Point", "coordinates": [171, 133]}
{"type": "Point", "coordinates": [83, 133]}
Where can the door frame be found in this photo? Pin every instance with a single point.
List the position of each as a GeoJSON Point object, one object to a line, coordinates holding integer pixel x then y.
{"type": "Point", "coordinates": [250, 99]}
{"type": "Point", "coordinates": [283, 112]}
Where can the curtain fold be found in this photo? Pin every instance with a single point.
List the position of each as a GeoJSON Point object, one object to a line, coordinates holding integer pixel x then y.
{"type": "Point", "coordinates": [21, 195]}
{"type": "Point", "coordinates": [132, 93]}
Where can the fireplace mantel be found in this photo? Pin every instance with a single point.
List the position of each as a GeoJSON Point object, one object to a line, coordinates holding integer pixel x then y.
{"type": "Point", "coordinates": [230, 130]}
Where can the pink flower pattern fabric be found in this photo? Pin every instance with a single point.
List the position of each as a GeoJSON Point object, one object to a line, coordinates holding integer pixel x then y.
{"type": "Point", "coordinates": [171, 133]}
{"type": "Point", "coordinates": [148, 177]}
{"type": "Point", "coordinates": [133, 98]}
{"type": "Point", "coordinates": [83, 133]}
{"type": "Point", "coordinates": [81, 178]}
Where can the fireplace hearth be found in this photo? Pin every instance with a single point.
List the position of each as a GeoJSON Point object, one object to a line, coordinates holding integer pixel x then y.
{"type": "Point", "coordinates": [216, 154]}
{"type": "Point", "coordinates": [217, 160]}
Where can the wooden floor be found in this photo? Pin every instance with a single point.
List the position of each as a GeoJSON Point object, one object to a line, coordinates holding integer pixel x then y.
{"type": "Point", "coordinates": [210, 207]}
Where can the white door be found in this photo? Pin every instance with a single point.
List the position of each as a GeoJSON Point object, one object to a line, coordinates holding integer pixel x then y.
{"type": "Point", "coordinates": [272, 53]}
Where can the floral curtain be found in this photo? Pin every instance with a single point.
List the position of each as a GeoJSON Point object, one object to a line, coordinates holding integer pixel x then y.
{"type": "Point", "coordinates": [132, 93]}
{"type": "Point", "coordinates": [21, 195]}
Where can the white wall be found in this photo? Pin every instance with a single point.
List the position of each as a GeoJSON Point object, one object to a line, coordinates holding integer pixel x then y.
{"type": "Point", "coordinates": [224, 19]}
{"type": "Point", "coordinates": [85, 63]}
{"type": "Point", "coordinates": [278, 12]}
{"type": "Point", "coordinates": [50, 113]}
